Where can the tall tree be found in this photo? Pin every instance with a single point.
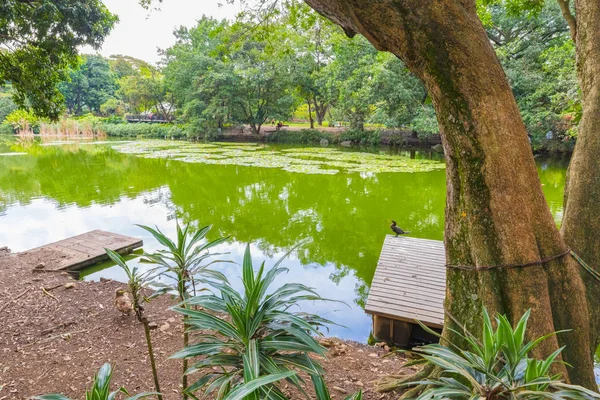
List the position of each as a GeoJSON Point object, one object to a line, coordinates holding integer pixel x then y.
{"type": "Point", "coordinates": [89, 86]}
{"type": "Point", "coordinates": [38, 44]}
{"type": "Point", "coordinates": [581, 223]}
{"type": "Point", "coordinates": [490, 170]}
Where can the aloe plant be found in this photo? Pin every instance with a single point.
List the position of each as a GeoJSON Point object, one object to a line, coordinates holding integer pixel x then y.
{"type": "Point", "coordinates": [496, 367]}
{"type": "Point", "coordinates": [261, 338]}
{"type": "Point", "coordinates": [184, 261]}
{"type": "Point", "coordinates": [135, 282]}
{"type": "Point", "coordinates": [100, 389]}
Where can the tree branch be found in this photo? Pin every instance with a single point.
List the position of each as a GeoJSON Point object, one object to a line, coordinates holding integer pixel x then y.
{"type": "Point", "coordinates": [569, 17]}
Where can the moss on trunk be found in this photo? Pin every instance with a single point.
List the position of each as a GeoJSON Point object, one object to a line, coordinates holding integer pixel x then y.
{"type": "Point", "coordinates": [496, 213]}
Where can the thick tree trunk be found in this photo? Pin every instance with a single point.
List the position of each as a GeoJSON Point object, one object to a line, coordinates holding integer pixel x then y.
{"type": "Point", "coordinates": [496, 213]}
{"type": "Point", "coordinates": [581, 224]}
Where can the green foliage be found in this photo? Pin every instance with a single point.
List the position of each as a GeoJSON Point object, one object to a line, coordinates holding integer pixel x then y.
{"type": "Point", "coordinates": [183, 262]}
{"type": "Point", "coordinates": [22, 120]}
{"type": "Point", "coordinates": [89, 86]}
{"type": "Point", "coordinates": [538, 56]}
{"type": "Point", "coordinates": [159, 131]}
{"type": "Point", "coordinates": [41, 38]}
{"type": "Point", "coordinates": [100, 389]}
{"type": "Point", "coordinates": [496, 366]}
{"type": "Point", "coordinates": [217, 79]}
{"type": "Point", "coordinates": [184, 259]}
{"type": "Point", "coordinates": [263, 338]}
{"type": "Point", "coordinates": [7, 105]}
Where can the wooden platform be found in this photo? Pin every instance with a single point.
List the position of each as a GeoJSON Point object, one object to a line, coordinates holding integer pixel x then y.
{"type": "Point", "coordinates": [81, 251]}
{"type": "Point", "coordinates": [409, 283]}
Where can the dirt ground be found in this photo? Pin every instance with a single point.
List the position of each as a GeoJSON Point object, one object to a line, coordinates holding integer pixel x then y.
{"type": "Point", "coordinates": [56, 332]}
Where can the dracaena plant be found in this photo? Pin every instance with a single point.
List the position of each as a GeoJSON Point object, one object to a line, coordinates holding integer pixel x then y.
{"type": "Point", "coordinates": [496, 367]}
{"type": "Point", "coordinates": [135, 284]}
{"type": "Point", "coordinates": [100, 389]}
{"type": "Point", "coordinates": [185, 262]}
{"type": "Point", "coordinates": [259, 342]}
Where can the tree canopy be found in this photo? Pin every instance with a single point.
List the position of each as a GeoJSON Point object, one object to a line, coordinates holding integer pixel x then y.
{"type": "Point", "coordinates": [39, 41]}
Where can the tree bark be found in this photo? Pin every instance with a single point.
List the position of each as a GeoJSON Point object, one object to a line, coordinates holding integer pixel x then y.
{"type": "Point", "coordinates": [496, 213]}
{"type": "Point", "coordinates": [581, 223]}
{"type": "Point", "coordinates": [310, 117]}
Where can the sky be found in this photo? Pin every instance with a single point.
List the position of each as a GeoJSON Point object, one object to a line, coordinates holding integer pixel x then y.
{"type": "Point", "coordinates": [140, 32]}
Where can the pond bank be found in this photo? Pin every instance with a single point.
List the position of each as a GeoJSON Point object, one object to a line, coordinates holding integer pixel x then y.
{"type": "Point", "coordinates": [55, 333]}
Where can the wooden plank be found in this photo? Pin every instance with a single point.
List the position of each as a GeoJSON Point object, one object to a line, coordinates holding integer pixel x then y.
{"type": "Point", "coordinates": [87, 249]}
{"type": "Point", "coordinates": [410, 281]}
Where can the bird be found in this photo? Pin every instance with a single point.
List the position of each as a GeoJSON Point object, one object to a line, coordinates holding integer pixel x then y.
{"type": "Point", "coordinates": [397, 230]}
{"type": "Point", "coordinates": [123, 302]}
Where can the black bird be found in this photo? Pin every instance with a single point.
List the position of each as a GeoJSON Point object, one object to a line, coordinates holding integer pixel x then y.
{"type": "Point", "coordinates": [397, 230]}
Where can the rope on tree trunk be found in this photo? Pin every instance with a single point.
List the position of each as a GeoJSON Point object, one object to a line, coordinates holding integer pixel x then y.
{"type": "Point", "coordinates": [585, 266]}
{"type": "Point", "coordinates": [529, 264]}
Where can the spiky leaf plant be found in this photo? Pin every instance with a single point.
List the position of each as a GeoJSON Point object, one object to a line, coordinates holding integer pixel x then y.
{"type": "Point", "coordinates": [497, 367]}
{"type": "Point", "coordinates": [100, 389]}
{"type": "Point", "coordinates": [185, 262]}
{"type": "Point", "coordinates": [261, 337]}
{"type": "Point", "coordinates": [135, 283]}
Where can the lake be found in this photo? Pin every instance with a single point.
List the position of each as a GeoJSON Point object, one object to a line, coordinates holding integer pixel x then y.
{"type": "Point", "coordinates": [335, 203]}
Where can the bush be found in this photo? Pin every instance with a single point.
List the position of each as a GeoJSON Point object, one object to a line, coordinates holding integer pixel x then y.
{"type": "Point", "coordinates": [365, 138]}
{"type": "Point", "coordinates": [6, 129]}
{"type": "Point", "coordinates": [22, 121]}
{"type": "Point", "coordinates": [305, 136]}
{"type": "Point", "coordinates": [157, 131]}
{"type": "Point", "coordinates": [261, 340]}
{"type": "Point", "coordinates": [496, 366]}
{"type": "Point", "coordinates": [100, 389]}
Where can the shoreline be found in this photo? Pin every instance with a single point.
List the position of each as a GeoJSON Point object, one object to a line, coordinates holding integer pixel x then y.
{"type": "Point", "coordinates": [54, 340]}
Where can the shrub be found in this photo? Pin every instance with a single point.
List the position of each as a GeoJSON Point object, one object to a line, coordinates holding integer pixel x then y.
{"type": "Point", "coordinates": [497, 366]}
{"type": "Point", "coordinates": [158, 131]}
{"type": "Point", "coordinates": [100, 389]}
{"type": "Point", "coordinates": [261, 338]}
{"type": "Point", "coordinates": [183, 262]}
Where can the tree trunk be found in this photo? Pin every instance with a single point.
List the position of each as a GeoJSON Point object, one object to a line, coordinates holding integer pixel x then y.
{"type": "Point", "coordinates": [310, 117]}
{"type": "Point", "coordinates": [496, 213]}
{"type": "Point", "coordinates": [581, 223]}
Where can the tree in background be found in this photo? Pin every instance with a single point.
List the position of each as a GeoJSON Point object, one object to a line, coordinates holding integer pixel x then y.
{"type": "Point", "coordinates": [221, 73]}
{"type": "Point", "coordinates": [89, 86]}
{"type": "Point", "coordinates": [39, 41]}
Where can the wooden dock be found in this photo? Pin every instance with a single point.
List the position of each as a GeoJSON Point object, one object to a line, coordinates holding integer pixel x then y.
{"type": "Point", "coordinates": [409, 284]}
{"type": "Point", "coordinates": [81, 251]}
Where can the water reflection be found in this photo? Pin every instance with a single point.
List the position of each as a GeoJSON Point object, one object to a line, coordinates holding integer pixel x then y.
{"type": "Point", "coordinates": [54, 192]}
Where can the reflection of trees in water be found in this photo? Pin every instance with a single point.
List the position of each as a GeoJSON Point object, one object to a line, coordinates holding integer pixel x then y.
{"type": "Point", "coordinates": [341, 218]}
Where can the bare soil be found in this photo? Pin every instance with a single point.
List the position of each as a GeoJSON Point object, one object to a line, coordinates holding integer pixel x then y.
{"type": "Point", "coordinates": [56, 332]}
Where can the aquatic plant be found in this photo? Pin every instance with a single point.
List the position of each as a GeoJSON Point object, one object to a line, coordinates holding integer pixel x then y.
{"type": "Point", "coordinates": [100, 389]}
{"type": "Point", "coordinates": [135, 282]}
{"type": "Point", "coordinates": [298, 160]}
{"type": "Point", "coordinates": [496, 367]}
{"type": "Point", "coordinates": [183, 262]}
{"type": "Point", "coordinates": [260, 338]}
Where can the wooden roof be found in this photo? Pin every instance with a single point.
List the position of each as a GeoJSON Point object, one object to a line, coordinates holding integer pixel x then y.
{"type": "Point", "coordinates": [410, 281]}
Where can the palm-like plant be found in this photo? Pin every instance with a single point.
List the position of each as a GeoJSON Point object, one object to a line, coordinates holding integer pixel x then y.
{"type": "Point", "coordinates": [497, 367]}
{"type": "Point", "coordinates": [100, 389]}
{"type": "Point", "coordinates": [135, 282]}
{"type": "Point", "coordinates": [261, 339]}
{"type": "Point", "coordinates": [184, 261]}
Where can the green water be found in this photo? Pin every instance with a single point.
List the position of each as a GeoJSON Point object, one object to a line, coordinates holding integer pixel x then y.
{"type": "Point", "coordinates": [337, 202]}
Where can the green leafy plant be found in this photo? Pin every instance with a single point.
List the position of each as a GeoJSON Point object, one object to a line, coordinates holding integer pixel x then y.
{"type": "Point", "coordinates": [497, 367]}
{"type": "Point", "coordinates": [261, 339]}
{"type": "Point", "coordinates": [135, 282]}
{"type": "Point", "coordinates": [100, 389]}
{"type": "Point", "coordinates": [183, 261]}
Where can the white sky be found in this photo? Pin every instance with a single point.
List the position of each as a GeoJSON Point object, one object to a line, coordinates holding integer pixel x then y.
{"type": "Point", "coordinates": [140, 32]}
